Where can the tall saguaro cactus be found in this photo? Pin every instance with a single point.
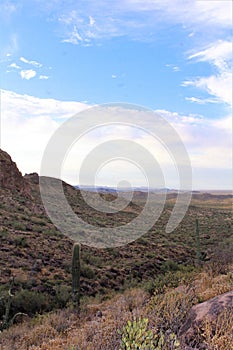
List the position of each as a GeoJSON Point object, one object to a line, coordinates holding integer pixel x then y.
{"type": "Point", "coordinates": [76, 275]}
{"type": "Point", "coordinates": [198, 245]}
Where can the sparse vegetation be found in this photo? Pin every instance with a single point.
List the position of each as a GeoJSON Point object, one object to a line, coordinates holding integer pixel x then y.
{"type": "Point", "coordinates": [152, 282]}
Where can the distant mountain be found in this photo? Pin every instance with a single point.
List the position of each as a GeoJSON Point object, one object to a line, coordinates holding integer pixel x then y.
{"type": "Point", "coordinates": [108, 189]}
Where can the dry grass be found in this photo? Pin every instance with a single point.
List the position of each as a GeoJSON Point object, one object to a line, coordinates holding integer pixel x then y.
{"type": "Point", "coordinates": [218, 334]}
{"type": "Point", "coordinates": [207, 287]}
{"type": "Point", "coordinates": [96, 327]}
{"type": "Point", "coordinates": [98, 324]}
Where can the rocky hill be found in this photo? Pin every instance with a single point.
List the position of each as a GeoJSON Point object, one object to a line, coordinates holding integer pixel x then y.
{"type": "Point", "coordinates": [10, 177]}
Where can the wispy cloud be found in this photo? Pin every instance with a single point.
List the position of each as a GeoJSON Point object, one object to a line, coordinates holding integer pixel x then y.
{"type": "Point", "coordinates": [33, 63]}
{"type": "Point", "coordinates": [14, 65]}
{"type": "Point", "coordinates": [219, 53]}
{"type": "Point", "coordinates": [91, 21]}
{"type": "Point", "coordinates": [219, 85]}
{"type": "Point", "coordinates": [74, 37]}
{"type": "Point", "coordinates": [190, 12]}
{"type": "Point", "coordinates": [140, 19]}
{"type": "Point", "coordinates": [7, 8]}
{"type": "Point", "coordinates": [43, 77]}
{"type": "Point", "coordinates": [173, 67]}
{"type": "Point", "coordinates": [201, 101]}
{"type": "Point", "coordinates": [10, 49]}
{"type": "Point", "coordinates": [27, 74]}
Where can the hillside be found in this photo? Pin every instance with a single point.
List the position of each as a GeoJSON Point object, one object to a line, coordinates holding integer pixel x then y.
{"type": "Point", "coordinates": [38, 256]}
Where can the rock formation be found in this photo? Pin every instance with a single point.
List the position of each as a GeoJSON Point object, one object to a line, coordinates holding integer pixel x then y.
{"type": "Point", "coordinates": [10, 176]}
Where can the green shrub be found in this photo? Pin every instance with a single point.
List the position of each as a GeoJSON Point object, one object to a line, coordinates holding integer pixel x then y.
{"type": "Point", "coordinates": [86, 271]}
{"type": "Point", "coordinates": [21, 242]}
{"type": "Point", "coordinates": [170, 279]}
{"type": "Point", "coordinates": [30, 302]}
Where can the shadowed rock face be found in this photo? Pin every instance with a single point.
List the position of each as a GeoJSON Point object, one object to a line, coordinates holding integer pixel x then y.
{"type": "Point", "coordinates": [10, 176]}
{"type": "Point", "coordinates": [209, 309]}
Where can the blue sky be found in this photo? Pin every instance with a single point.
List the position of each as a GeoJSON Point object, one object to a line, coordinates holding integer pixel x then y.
{"type": "Point", "coordinates": [58, 58]}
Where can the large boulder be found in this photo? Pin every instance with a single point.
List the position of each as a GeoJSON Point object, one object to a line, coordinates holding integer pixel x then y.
{"type": "Point", "coordinates": [209, 309]}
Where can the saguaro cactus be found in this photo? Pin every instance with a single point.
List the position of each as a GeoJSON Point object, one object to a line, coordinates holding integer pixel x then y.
{"type": "Point", "coordinates": [198, 245]}
{"type": "Point", "coordinates": [76, 275]}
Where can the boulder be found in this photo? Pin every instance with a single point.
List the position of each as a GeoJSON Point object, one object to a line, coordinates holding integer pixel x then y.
{"type": "Point", "coordinates": [209, 309]}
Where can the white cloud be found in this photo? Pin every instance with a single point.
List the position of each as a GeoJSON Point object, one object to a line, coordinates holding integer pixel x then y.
{"type": "Point", "coordinates": [217, 12]}
{"type": "Point", "coordinates": [92, 21]}
{"type": "Point", "coordinates": [28, 122]}
{"type": "Point", "coordinates": [209, 142]}
{"type": "Point", "coordinates": [219, 85]}
{"type": "Point", "coordinates": [201, 101]}
{"type": "Point", "coordinates": [191, 34]}
{"type": "Point", "coordinates": [173, 67]}
{"type": "Point", "coordinates": [43, 77]}
{"type": "Point", "coordinates": [218, 53]}
{"type": "Point", "coordinates": [14, 65]}
{"type": "Point", "coordinates": [33, 63]}
{"type": "Point", "coordinates": [140, 19]}
{"type": "Point", "coordinates": [74, 37]}
{"type": "Point", "coordinates": [27, 74]}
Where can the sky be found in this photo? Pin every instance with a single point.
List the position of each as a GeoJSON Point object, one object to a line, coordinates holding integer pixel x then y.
{"type": "Point", "coordinates": [59, 58]}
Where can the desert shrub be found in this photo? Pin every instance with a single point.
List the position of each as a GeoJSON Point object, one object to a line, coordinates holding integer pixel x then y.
{"type": "Point", "coordinates": [91, 259]}
{"type": "Point", "coordinates": [218, 334]}
{"type": "Point", "coordinates": [169, 310]}
{"type": "Point", "coordinates": [4, 233]}
{"type": "Point", "coordinates": [17, 225]}
{"type": "Point", "coordinates": [169, 265]}
{"type": "Point", "coordinates": [171, 279]}
{"type": "Point", "coordinates": [30, 302]}
{"type": "Point", "coordinates": [86, 271]}
{"type": "Point", "coordinates": [21, 242]}
{"type": "Point", "coordinates": [62, 297]}
{"type": "Point", "coordinates": [222, 258]}
{"type": "Point", "coordinates": [207, 286]}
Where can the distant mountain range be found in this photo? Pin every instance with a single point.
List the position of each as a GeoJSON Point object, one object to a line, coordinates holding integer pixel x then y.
{"type": "Point", "coordinates": [108, 189]}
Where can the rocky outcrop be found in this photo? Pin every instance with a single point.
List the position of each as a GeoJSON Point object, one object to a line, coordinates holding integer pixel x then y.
{"type": "Point", "coordinates": [209, 309]}
{"type": "Point", "coordinates": [10, 176]}
{"type": "Point", "coordinates": [32, 178]}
